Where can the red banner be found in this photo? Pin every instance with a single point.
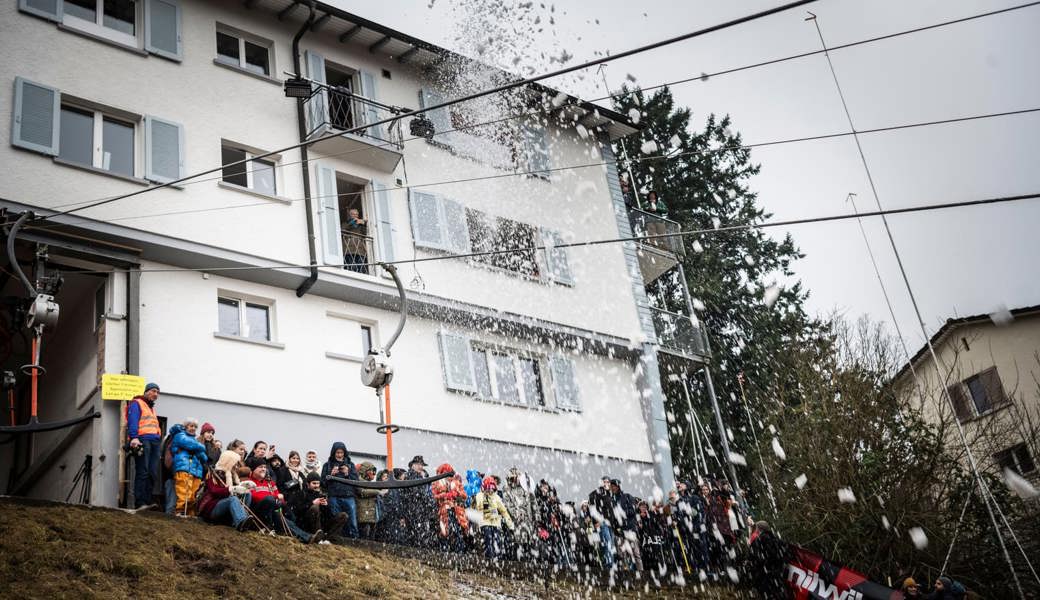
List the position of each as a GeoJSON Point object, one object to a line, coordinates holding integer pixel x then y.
{"type": "Point", "coordinates": [811, 577]}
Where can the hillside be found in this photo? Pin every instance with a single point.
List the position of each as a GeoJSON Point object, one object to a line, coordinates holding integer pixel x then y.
{"type": "Point", "coordinates": [60, 551]}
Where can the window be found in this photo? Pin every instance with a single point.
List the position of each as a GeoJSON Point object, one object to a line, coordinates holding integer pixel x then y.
{"type": "Point", "coordinates": [100, 301]}
{"type": "Point", "coordinates": [506, 375]}
{"type": "Point", "coordinates": [90, 138]}
{"type": "Point", "coordinates": [1016, 458]}
{"type": "Point", "coordinates": [121, 22]}
{"type": "Point", "coordinates": [977, 395]}
{"type": "Point", "coordinates": [366, 339]}
{"type": "Point", "coordinates": [239, 50]}
{"type": "Point", "coordinates": [257, 175]}
{"type": "Point", "coordinates": [236, 317]}
{"type": "Point", "coordinates": [104, 139]}
{"type": "Point", "coordinates": [112, 19]}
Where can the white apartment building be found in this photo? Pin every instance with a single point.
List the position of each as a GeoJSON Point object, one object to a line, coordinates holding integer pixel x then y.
{"type": "Point", "coordinates": [545, 360]}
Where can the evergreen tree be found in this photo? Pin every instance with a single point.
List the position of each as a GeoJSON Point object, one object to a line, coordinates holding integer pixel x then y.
{"type": "Point", "coordinates": [732, 276]}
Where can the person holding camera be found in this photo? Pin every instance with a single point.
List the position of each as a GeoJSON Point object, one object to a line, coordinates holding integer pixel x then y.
{"type": "Point", "coordinates": [341, 495]}
{"type": "Point", "coordinates": [143, 443]}
{"type": "Point", "coordinates": [311, 510]}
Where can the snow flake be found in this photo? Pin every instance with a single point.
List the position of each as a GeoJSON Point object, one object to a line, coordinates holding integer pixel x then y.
{"type": "Point", "coordinates": [919, 538]}
{"type": "Point", "coordinates": [737, 459]}
{"type": "Point", "coordinates": [885, 523]}
{"type": "Point", "coordinates": [648, 147]}
{"type": "Point", "coordinates": [845, 496]}
{"type": "Point", "coordinates": [697, 304]}
{"type": "Point", "coordinates": [801, 480]}
{"type": "Point", "coordinates": [1001, 317]}
{"type": "Point", "coordinates": [674, 141]}
{"type": "Point", "coordinates": [778, 450]}
{"type": "Point", "coordinates": [770, 295]}
{"type": "Point", "coordinates": [1020, 485]}
{"type": "Point", "coordinates": [633, 115]}
{"type": "Point", "coordinates": [697, 247]}
{"type": "Point", "coordinates": [559, 99]}
{"type": "Point", "coordinates": [732, 574]}
{"type": "Point", "coordinates": [716, 222]}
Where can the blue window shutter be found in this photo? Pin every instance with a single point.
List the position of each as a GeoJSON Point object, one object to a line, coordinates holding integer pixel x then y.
{"type": "Point", "coordinates": [317, 105]}
{"type": "Point", "coordinates": [328, 215]}
{"type": "Point", "coordinates": [369, 113]}
{"type": "Point", "coordinates": [557, 262]}
{"type": "Point", "coordinates": [35, 118]}
{"type": "Point", "coordinates": [457, 362]}
{"type": "Point", "coordinates": [163, 150]}
{"type": "Point", "coordinates": [440, 117]}
{"type": "Point", "coordinates": [48, 9]}
{"type": "Point", "coordinates": [384, 223]}
{"type": "Point", "coordinates": [536, 143]}
{"type": "Point", "coordinates": [565, 385]}
{"type": "Point", "coordinates": [455, 230]}
{"type": "Point", "coordinates": [427, 225]}
{"type": "Point", "coordinates": [162, 28]}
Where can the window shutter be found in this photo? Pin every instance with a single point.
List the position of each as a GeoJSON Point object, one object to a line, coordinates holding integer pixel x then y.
{"type": "Point", "coordinates": [456, 230]}
{"type": "Point", "coordinates": [328, 216]}
{"type": "Point", "coordinates": [384, 224]}
{"type": "Point", "coordinates": [557, 263]}
{"type": "Point", "coordinates": [317, 105]}
{"type": "Point", "coordinates": [441, 117]}
{"type": "Point", "coordinates": [427, 229]}
{"type": "Point", "coordinates": [48, 9]}
{"type": "Point", "coordinates": [536, 149]}
{"type": "Point", "coordinates": [37, 110]}
{"type": "Point", "coordinates": [994, 388]}
{"type": "Point", "coordinates": [164, 150]}
{"type": "Point", "coordinates": [162, 28]}
{"type": "Point", "coordinates": [369, 113]}
{"type": "Point", "coordinates": [961, 405]}
{"type": "Point", "coordinates": [457, 361]}
{"type": "Point", "coordinates": [565, 385]}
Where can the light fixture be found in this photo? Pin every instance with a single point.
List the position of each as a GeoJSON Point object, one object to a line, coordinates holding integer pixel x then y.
{"type": "Point", "coordinates": [297, 87]}
{"type": "Point", "coordinates": [420, 126]}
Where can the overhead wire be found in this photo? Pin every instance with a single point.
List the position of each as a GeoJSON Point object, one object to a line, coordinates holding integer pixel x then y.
{"type": "Point", "coordinates": [589, 243]}
{"type": "Point", "coordinates": [466, 98]}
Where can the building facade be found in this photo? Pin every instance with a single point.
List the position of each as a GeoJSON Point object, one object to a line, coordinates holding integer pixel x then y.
{"type": "Point", "coordinates": [251, 294]}
{"type": "Point", "coordinates": [991, 372]}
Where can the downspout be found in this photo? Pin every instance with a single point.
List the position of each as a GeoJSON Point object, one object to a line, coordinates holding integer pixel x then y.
{"type": "Point", "coordinates": [301, 124]}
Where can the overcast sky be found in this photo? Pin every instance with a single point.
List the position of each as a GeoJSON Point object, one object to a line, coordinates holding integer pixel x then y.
{"type": "Point", "coordinates": [960, 261]}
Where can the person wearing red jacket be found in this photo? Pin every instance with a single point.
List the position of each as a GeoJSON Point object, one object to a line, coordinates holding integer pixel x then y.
{"type": "Point", "coordinates": [450, 494]}
{"type": "Point", "coordinates": [269, 504]}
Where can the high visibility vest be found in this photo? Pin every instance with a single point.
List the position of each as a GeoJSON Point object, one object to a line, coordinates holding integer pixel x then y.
{"type": "Point", "coordinates": [148, 423]}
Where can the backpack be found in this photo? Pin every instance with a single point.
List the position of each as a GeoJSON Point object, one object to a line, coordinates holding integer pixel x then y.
{"type": "Point", "coordinates": [167, 458]}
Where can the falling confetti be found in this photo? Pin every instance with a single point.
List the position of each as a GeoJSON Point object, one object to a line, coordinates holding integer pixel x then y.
{"type": "Point", "coordinates": [1020, 485]}
{"type": "Point", "coordinates": [1001, 317]}
{"type": "Point", "coordinates": [801, 480]}
{"type": "Point", "coordinates": [697, 247]}
{"type": "Point", "coordinates": [633, 115]}
{"type": "Point", "coordinates": [845, 496]}
{"type": "Point", "coordinates": [770, 295]}
{"type": "Point", "coordinates": [648, 147]}
{"type": "Point", "coordinates": [737, 459]}
{"type": "Point", "coordinates": [919, 538]}
{"type": "Point", "coordinates": [778, 450]}
{"type": "Point", "coordinates": [885, 523]}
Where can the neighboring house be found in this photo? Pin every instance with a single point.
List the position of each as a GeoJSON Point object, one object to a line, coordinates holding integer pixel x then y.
{"type": "Point", "coordinates": [547, 360]}
{"type": "Point", "coordinates": [993, 383]}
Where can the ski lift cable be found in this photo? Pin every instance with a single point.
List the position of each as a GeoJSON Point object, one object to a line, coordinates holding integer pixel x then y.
{"type": "Point", "coordinates": [468, 97]}
{"type": "Point", "coordinates": [983, 487]}
{"type": "Point", "coordinates": [588, 243]}
{"type": "Point", "coordinates": [656, 157]}
{"type": "Point", "coordinates": [610, 96]}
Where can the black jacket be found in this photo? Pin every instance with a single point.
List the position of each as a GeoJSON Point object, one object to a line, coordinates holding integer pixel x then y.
{"type": "Point", "coordinates": [603, 501]}
{"type": "Point", "coordinates": [335, 488]}
{"type": "Point", "coordinates": [627, 505]}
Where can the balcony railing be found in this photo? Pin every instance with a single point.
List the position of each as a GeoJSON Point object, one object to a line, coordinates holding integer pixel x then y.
{"type": "Point", "coordinates": [331, 107]}
{"type": "Point", "coordinates": [644, 223]}
{"type": "Point", "coordinates": [678, 333]}
{"type": "Point", "coordinates": [357, 251]}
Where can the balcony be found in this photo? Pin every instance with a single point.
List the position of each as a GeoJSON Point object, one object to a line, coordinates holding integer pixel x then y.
{"type": "Point", "coordinates": [330, 109]}
{"type": "Point", "coordinates": [357, 251]}
{"type": "Point", "coordinates": [679, 334]}
{"type": "Point", "coordinates": [656, 255]}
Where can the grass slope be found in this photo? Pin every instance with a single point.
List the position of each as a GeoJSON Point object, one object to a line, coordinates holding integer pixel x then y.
{"type": "Point", "coordinates": [65, 551]}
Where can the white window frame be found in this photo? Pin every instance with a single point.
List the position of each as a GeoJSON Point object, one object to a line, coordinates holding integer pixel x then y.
{"type": "Point", "coordinates": [251, 155]}
{"type": "Point", "coordinates": [98, 151]}
{"type": "Point", "coordinates": [515, 356]}
{"type": "Point", "coordinates": [362, 324]}
{"type": "Point", "coordinates": [242, 38]}
{"type": "Point", "coordinates": [243, 322]}
{"type": "Point", "coordinates": [97, 28]}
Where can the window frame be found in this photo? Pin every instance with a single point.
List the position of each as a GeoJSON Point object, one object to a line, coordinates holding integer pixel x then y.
{"type": "Point", "coordinates": [251, 153]}
{"type": "Point", "coordinates": [516, 357]}
{"type": "Point", "coordinates": [1009, 458]}
{"type": "Point", "coordinates": [245, 301]}
{"type": "Point", "coordinates": [99, 114]}
{"type": "Point", "coordinates": [243, 37]}
{"type": "Point", "coordinates": [98, 29]}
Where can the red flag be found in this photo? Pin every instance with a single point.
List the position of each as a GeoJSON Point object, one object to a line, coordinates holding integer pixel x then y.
{"type": "Point", "coordinates": [811, 577]}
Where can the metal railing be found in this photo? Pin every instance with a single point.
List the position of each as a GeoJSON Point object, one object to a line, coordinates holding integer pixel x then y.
{"type": "Point", "coordinates": [357, 250]}
{"type": "Point", "coordinates": [644, 223]}
{"type": "Point", "coordinates": [339, 108]}
{"type": "Point", "coordinates": [679, 333]}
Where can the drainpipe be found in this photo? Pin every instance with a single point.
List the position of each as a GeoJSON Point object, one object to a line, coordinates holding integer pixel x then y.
{"type": "Point", "coordinates": [301, 124]}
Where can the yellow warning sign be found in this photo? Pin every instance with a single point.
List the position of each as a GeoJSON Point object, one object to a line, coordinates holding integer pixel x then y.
{"type": "Point", "coordinates": [121, 387]}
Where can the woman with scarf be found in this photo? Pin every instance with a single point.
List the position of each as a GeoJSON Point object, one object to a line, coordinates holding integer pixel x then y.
{"type": "Point", "coordinates": [269, 504]}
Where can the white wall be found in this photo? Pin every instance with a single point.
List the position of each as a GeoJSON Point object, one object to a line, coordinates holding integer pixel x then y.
{"type": "Point", "coordinates": [180, 352]}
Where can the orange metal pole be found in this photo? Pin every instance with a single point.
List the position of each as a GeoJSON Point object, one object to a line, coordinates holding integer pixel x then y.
{"type": "Point", "coordinates": [10, 402]}
{"type": "Point", "coordinates": [389, 433]}
{"type": "Point", "coordinates": [35, 360]}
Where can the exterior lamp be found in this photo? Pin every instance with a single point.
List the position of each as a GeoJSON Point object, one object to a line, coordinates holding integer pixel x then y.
{"type": "Point", "coordinates": [420, 126]}
{"type": "Point", "coordinates": [297, 88]}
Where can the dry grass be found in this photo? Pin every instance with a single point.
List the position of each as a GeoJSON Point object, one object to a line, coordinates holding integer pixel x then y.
{"type": "Point", "coordinates": [64, 551]}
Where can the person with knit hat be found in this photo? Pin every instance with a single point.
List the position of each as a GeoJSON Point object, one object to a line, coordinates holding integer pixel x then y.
{"type": "Point", "coordinates": [144, 439]}
{"type": "Point", "coordinates": [488, 503]}
{"type": "Point", "coordinates": [310, 509]}
{"type": "Point", "coordinates": [206, 434]}
{"type": "Point", "coordinates": [189, 461]}
{"type": "Point", "coordinates": [450, 495]}
{"type": "Point", "coordinates": [910, 589]}
{"type": "Point", "coordinates": [224, 496]}
{"type": "Point", "coordinates": [269, 505]}
{"type": "Point", "coordinates": [946, 589]}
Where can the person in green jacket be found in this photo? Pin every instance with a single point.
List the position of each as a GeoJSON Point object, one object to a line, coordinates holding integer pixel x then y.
{"type": "Point", "coordinates": [494, 512]}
